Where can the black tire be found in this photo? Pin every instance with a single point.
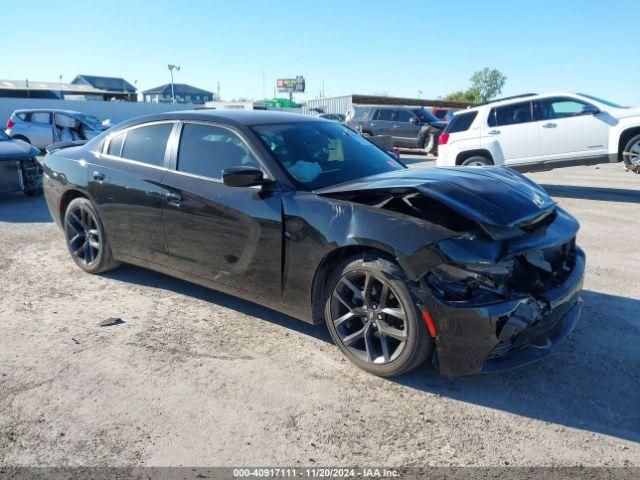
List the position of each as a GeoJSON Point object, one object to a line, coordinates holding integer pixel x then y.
{"type": "Point", "coordinates": [632, 162]}
{"type": "Point", "coordinates": [34, 193]}
{"type": "Point", "coordinates": [377, 326]}
{"type": "Point", "coordinates": [86, 237]}
{"type": "Point", "coordinates": [477, 161]}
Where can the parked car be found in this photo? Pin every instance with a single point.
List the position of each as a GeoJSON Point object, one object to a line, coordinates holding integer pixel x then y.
{"type": "Point", "coordinates": [309, 218]}
{"type": "Point", "coordinates": [334, 117]}
{"type": "Point", "coordinates": [540, 132]}
{"type": "Point", "coordinates": [42, 127]}
{"type": "Point", "coordinates": [410, 127]}
{"type": "Point", "coordinates": [441, 114]}
{"type": "Point", "coordinates": [20, 171]}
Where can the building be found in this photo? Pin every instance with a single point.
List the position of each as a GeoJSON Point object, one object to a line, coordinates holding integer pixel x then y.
{"type": "Point", "coordinates": [345, 102]}
{"type": "Point", "coordinates": [184, 94]}
{"type": "Point", "coordinates": [117, 88]}
{"type": "Point", "coordinates": [50, 90]}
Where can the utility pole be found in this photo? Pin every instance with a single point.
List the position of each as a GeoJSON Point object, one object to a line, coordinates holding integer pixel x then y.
{"type": "Point", "coordinates": [171, 69]}
{"type": "Point", "coordinates": [60, 86]}
{"type": "Point", "coordinates": [218, 92]}
{"type": "Point", "coordinates": [28, 91]}
{"type": "Point", "coordinates": [419, 93]}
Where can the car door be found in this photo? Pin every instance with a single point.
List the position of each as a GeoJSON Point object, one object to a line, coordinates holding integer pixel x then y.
{"type": "Point", "coordinates": [125, 183]}
{"type": "Point", "coordinates": [230, 235]}
{"type": "Point", "coordinates": [569, 129]}
{"type": "Point", "coordinates": [513, 133]}
{"type": "Point", "coordinates": [406, 129]}
{"type": "Point", "coordinates": [39, 129]}
{"type": "Point", "coordinates": [382, 122]}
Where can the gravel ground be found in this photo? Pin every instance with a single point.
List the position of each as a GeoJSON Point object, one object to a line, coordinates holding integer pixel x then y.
{"type": "Point", "coordinates": [194, 377]}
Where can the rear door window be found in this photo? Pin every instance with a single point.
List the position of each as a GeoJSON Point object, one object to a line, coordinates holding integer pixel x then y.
{"type": "Point", "coordinates": [115, 145]}
{"type": "Point", "coordinates": [386, 114]}
{"type": "Point", "coordinates": [513, 114]}
{"type": "Point", "coordinates": [461, 122]}
{"type": "Point", "coordinates": [40, 117]}
{"type": "Point", "coordinates": [147, 144]}
{"type": "Point", "coordinates": [403, 116]}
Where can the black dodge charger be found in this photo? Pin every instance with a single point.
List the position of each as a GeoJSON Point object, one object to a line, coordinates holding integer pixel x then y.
{"type": "Point", "coordinates": [474, 268]}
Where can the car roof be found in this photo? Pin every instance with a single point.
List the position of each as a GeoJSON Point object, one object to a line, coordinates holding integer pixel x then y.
{"type": "Point", "coordinates": [234, 117]}
{"type": "Point", "coordinates": [518, 99]}
{"type": "Point", "coordinates": [50, 110]}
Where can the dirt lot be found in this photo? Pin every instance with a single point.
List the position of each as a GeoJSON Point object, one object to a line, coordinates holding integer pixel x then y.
{"type": "Point", "coordinates": [195, 377]}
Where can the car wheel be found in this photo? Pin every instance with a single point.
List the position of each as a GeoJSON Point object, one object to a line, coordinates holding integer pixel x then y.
{"type": "Point", "coordinates": [86, 237]}
{"type": "Point", "coordinates": [428, 143]}
{"type": "Point", "coordinates": [476, 161]}
{"type": "Point", "coordinates": [373, 318]}
{"type": "Point", "coordinates": [631, 154]}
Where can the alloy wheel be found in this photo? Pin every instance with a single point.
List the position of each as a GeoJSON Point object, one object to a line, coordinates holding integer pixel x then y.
{"type": "Point", "coordinates": [368, 317]}
{"type": "Point", "coordinates": [632, 156]}
{"type": "Point", "coordinates": [83, 235]}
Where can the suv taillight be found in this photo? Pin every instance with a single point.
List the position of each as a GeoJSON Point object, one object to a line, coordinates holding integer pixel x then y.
{"type": "Point", "coordinates": [10, 123]}
{"type": "Point", "coordinates": [443, 139]}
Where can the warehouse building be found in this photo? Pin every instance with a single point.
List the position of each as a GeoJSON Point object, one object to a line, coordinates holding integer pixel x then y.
{"type": "Point", "coordinates": [344, 103]}
{"type": "Point", "coordinates": [183, 93]}
{"type": "Point", "coordinates": [117, 88]}
{"type": "Point", "coordinates": [51, 90]}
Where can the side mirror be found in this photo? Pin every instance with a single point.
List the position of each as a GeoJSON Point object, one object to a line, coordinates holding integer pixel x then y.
{"type": "Point", "coordinates": [242, 177]}
{"type": "Point", "coordinates": [590, 110]}
{"type": "Point", "coordinates": [413, 120]}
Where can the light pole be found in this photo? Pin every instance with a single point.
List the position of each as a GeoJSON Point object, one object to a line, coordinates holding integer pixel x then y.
{"type": "Point", "coordinates": [171, 69]}
{"type": "Point", "coordinates": [60, 86]}
{"type": "Point", "coordinates": [419, 93]}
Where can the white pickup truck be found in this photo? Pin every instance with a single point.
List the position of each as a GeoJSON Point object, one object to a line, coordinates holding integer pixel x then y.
{"type": "Point", "coordinates": [540, 132]}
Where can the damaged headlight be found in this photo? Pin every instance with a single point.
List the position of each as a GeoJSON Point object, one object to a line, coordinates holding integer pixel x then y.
{"type": "Point", "coordinates": [484, 283]}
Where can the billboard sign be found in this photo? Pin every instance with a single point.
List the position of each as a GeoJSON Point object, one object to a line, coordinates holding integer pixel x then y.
{"type": "Point", "coordinates": [291, 84]}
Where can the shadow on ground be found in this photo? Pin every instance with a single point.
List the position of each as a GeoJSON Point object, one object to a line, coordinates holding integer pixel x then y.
{"type": "Point", "coordinates": [594, 193]}
{"type": "Point", "coordinates": [18, 208]}
{"type": "Point", "coordinates": [592, 382]}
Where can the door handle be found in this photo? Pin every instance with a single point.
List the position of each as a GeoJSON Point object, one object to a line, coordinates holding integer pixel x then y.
{"type": "Point", "coordinates": [550, 125]}
{"type": "Point", "coordinates": [173, 199]}
{"type": "Point", "coordinates": [98, 176]}
{"type": "Point", "coordinates": [494, 132]}
{"type": "Point", "coordinates": [373, 124]}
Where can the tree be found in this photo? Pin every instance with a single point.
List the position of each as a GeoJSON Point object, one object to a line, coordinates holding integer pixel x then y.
{"type": "Point", "coordinates": [486, 84]}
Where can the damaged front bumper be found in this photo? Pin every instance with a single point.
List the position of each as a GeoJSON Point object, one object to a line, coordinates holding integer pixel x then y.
{"type": "Point", "coordinates": [499, 336]}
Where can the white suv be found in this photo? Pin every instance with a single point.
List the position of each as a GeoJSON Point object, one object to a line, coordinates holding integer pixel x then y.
{"type": "Point", "coordinates": [540, 132]}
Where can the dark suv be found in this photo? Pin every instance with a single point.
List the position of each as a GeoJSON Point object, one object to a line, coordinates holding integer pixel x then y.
{"type": "Point", "coordinates": [409, 127]}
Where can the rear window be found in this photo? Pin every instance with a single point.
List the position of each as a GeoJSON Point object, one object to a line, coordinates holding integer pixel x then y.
{"type": "Point", "coordinates": [147, 144]}
{"type": "Point", "coordinates": [461, 122]}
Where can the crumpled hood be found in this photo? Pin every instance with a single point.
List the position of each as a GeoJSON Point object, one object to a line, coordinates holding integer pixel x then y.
{"type": "Point", "coordinates": [17, 149]}
{"type": "Point", "coordinates": [496, 196]}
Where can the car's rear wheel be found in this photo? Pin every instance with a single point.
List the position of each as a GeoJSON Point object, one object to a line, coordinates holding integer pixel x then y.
{"type": "Point", "coordinates": [373, 318]}
{"type": "Point", "coordinates": [631, 154]}
{"type": "Point", "coordinates": [476, 161]}
{"type": "Point", "coordinates": [86, 237]}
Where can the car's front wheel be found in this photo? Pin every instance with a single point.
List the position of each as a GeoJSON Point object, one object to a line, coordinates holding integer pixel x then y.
{"type": "Point", "coordinates": [373, 318]}
{"type": "Point", "coordinates": [86, 237]}
{"type": "Point", "coordinates": [631, 154]}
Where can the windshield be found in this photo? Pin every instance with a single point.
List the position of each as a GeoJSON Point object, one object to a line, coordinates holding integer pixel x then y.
{"type": "Point", "coordinates": [319, 154]}
{"type": "Point", "coordinates": [90, 120]}
{"type": "Point", "coordinates": [606, 102]}
{"type": "Point", "coordinates": [425, 115]}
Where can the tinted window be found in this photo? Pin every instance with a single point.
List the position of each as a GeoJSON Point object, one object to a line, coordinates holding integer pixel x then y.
{"type": "Point", "coordinates": [385, 114]}
{"type": "Point", "coordinates": [461, 122]}
{"type": "Point", "coordinates": [510, 114]}
{"type": "Point", "coordinates": [115, 146]}
{"type": "Point", "coordinates": [40, 117]}
{"type": "Point", "coordinates": [207, 150]}
{"type": "Point", "coordinates": [553, 108]}
{"type": "Point", "coordinates": [147, 144]}
{"type": "Point", "coordinates": [403, 116]}
{"type": "Point", "coordinates": [320, 154]}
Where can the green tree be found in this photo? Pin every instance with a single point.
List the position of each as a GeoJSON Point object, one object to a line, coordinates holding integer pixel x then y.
{"type": "Point", "coordinates": [486, 84]}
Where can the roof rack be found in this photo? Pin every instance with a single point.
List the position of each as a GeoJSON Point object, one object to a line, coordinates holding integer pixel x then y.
{"type": "Point", "coordinates": [522, 95]}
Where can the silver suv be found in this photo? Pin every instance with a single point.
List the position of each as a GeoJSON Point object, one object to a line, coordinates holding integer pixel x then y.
{"type": "Point", "coordinates": [44, 127]}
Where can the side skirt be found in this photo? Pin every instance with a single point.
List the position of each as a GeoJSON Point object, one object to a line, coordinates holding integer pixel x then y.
{"type": "Point", "coordinates": [305, 316]}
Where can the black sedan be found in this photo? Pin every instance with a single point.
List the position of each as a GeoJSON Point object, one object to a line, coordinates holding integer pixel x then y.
{"type": "Point", "coordinates": [475, 268]}
{"type": "Point", "coordinates": [19, 168]}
